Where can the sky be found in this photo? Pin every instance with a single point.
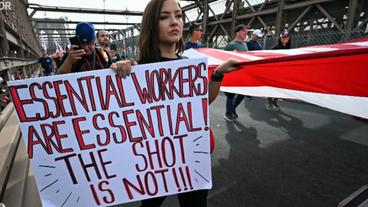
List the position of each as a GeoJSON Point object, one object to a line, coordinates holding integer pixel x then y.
{"type": "Point", "coordinates": [132, 5]}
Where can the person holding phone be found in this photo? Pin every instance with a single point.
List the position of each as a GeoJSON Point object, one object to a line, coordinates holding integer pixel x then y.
{"type": "Point", "coordinates": [83, 54]}
{"type": "Point", "coordinates": [104, 40]}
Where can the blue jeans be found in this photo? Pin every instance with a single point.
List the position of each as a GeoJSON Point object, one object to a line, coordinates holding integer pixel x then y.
{"type": "Point", "coordinates": [232, 101]}
{"type": "Point", "coordinates": [48, 74]}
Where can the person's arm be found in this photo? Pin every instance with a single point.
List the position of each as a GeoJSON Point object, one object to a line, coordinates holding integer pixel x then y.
{"type": "Point", "coordinates": [73, 55]}
{"type": "Point", "coordinates": [53, 64]}
{"type": "Point", "coordinates": [217, 75]}
{"type": "Point", "coordinates": [66, 67]}
{"type": "Point", "coordinates": [214, 86]}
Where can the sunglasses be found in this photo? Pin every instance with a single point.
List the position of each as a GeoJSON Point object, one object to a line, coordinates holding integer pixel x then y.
{"type": "Point", "coordinates": [199, 30]}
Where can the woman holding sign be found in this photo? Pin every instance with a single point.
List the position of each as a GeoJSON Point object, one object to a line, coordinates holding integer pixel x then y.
{"type": "Point", "coordinates": [161, 40]}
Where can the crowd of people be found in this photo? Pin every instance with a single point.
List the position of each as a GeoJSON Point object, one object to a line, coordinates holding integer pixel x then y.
{"type": "Point", "coordinates": [241, 42]}
{"type": "Point", "coordinates": [161, 39]}
{"type": "Point", "coordinates": [96, 51]}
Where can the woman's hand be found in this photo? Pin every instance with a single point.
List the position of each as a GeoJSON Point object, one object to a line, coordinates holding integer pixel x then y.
{"type": "Point", "coordinates": [123, 67]}
{"type": "Point", "coordinates": [227, 67]}
{"type": "Point", "coordinates": [217, 75]}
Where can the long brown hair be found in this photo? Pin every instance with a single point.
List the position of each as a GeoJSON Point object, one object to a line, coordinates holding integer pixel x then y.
{"type": "Point", "coordinates": [149, 34]}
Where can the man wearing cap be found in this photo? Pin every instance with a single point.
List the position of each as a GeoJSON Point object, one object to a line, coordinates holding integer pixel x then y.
{"type": "Point", "coordinates": [233, 100]}
{"type": "Point", "coordinates": [240, 36]}
{"type": "Point", "coordinates": [253, 43]}
{"type": "Point", "coordinates": [46, 63]}
{"type": "Point", "coordinates": [284, 41]}
{"type": "Point", "coordinates": [87, 57]}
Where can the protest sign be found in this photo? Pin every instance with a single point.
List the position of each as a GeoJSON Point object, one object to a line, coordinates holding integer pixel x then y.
{"type": "Point", "coordinates": [96, 139]}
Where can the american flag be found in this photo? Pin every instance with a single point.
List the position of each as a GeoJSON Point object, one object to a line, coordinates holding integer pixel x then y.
{"type": "Point", "coordinates": [332, 76]}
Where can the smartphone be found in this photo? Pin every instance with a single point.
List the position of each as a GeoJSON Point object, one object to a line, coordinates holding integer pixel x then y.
{"type": "Point", "coordinates": [113, 47]}
{"type": "Point", "coordinates": [75, 41]}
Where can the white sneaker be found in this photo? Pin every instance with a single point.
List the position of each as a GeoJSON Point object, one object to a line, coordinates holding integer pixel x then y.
{"type": "Point", "coordinates": [228, 117]}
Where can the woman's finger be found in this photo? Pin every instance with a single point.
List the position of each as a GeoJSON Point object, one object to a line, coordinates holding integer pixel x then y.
{"type": "Point", "coordinates": [133, 62]}
{"type": "Point", "coordinates": [129, 69]}
{"type": "Point", "coordinates": [120, 69]}
{"type": "Point", "coordinates": [123, 68]}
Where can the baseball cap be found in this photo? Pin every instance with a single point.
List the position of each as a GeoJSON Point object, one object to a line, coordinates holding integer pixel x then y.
{"type": "Point", "coordinates": [240, 27]}
{"type": "Point", "coordinates": [258, 33]}
{"type": "Point", "coordinates": [85, 31]}
{"type": "Point", "coordinates": [284, 34]}
{"type": "Point", "coordinates": [194, 26]}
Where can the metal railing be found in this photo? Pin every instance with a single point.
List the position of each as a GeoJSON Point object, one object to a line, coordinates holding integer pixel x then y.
{"type": "Point", "coordinates": [318, 37]}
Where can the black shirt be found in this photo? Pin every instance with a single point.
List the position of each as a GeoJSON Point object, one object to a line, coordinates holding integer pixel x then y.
{"type": "Point", "coordinates": [86, 63]}
{"type": "Point", "coordinates": [162, 59]}
{"type": "Point", "coordinates": [46, 63]}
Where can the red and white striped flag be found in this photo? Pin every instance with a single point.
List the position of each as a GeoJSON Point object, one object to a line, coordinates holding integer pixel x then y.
{"type": "Point", "coordinates": [332, 76]}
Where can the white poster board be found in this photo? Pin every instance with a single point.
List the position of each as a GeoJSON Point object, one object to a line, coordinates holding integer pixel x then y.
{"type": "Point", "coordinates": [95, 139]}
